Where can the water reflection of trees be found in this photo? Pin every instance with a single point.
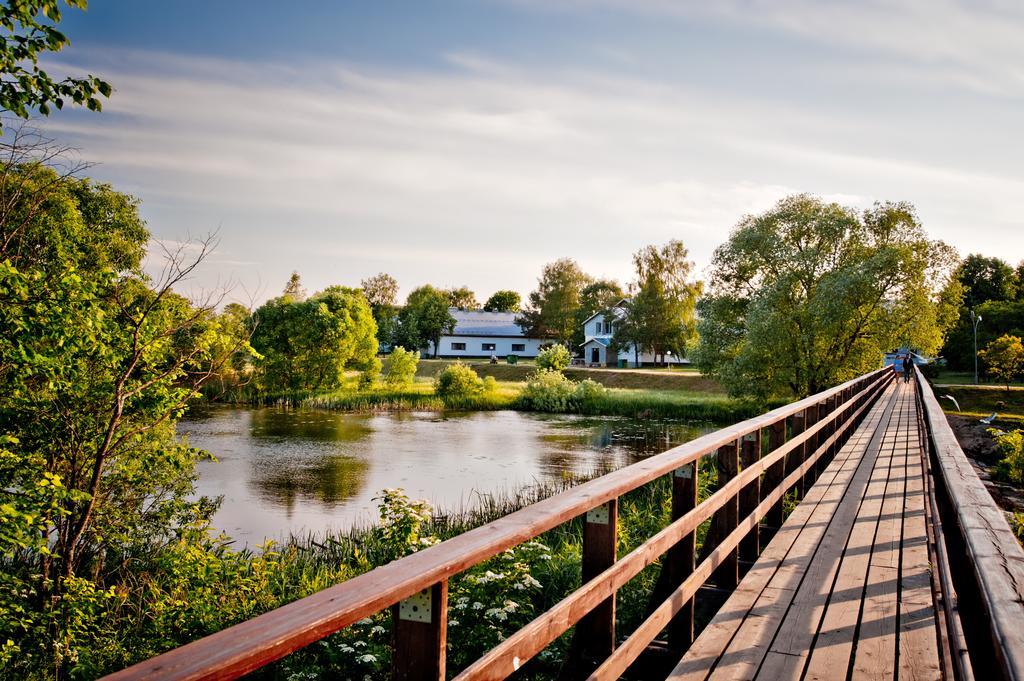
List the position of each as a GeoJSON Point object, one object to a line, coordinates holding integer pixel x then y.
{"type": "Point", "coordinates": [320, 426]}
{"type": "Point", "coordinates": [329, 480]}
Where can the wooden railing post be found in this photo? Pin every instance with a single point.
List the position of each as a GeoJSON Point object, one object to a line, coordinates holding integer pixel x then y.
{"type": "Point", "coordinates": [681, 558]}
{"type": "Point", "coordinates": [831, 404]}
{"type": "Point", "coordinates": [810, 418]}
{"type": "Point", "coordinates": [774, 475]}
{"type": "Point", "coordinates": [420, 635]}
{"type": "Point", "coordinates": [595, 633]}
{"type": "Point", "coordinates": [727, 575]}
{"type": "Point", "coordinates": [750, 496]}
{"type": "Point", "coordinates": [796, 426]}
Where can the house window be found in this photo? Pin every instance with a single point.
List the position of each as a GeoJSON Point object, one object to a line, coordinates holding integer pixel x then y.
{"type": "Point", "coordinates": [609, 328]}
{"type": "Point", "coordinates": [519, 347]}
{"type": "Point", "coordinates": [488, 347]}
{"type": "Point", "coordinates": [458, 346]}
{"type": "Point", "coordinates": [597, 326]}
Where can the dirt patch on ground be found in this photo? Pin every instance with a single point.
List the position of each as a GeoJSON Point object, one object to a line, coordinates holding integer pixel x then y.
{"type": "Point", "coordinates": [979, 446]}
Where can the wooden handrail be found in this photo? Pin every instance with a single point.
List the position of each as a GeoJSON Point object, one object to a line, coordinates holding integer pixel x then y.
{"type": "Point", "coordinates": [985, 560]}
{"type": "Point", "coordinates": [254, 643]}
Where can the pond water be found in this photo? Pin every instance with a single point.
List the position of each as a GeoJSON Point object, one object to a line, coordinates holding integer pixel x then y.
{"type": "Point", "coordinates": [284, 472]}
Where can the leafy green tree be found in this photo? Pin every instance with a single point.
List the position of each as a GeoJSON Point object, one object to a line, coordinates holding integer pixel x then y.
{"type": "Point", "coordinates": [306, 345]}
{"type": "Point", "coordinates": [401, 367]}
{"type": "Point", "coordinates": [809, 294]}
{"type": "Point", "coordinates": [381, 291]}
{"type": "Point", "coordinates": [998, 318]}
{"type": "Point", "coordinates": [462, 298]}
{"type": "Point", "coordinates": [554, 308]}
{"type": "Point", "coordinates": [663, 308]}
{"type": "Point", "coordinates": [293, 290]}
{"type": "Point", "coordinates": [424, 319]}
{"type": "Point", "coordinates": [555, 358]}
{"type": "Point", "coordinates": [985, 279]}
{"type": "Point", "coordinates": [1004, 358]}
{"type": "Point", "coordinates": [503, 301]}
{"type": "Point", "coordinates": [1018, 277]}
{"type": "Point", "coordinates": [29, 31]}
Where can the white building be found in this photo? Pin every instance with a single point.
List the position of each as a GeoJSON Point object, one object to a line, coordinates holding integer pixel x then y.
{"type": "Point", "coordinates": [483, 334]}
{"type": "Point", "coordinates": [598, 332]}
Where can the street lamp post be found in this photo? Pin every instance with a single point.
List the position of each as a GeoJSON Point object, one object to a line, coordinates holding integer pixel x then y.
{"type": "Point", "coordinates": [975, 320]}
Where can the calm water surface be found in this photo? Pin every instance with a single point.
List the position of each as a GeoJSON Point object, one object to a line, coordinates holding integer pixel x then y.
{"type": "Point", "coordinates": [298, 471]}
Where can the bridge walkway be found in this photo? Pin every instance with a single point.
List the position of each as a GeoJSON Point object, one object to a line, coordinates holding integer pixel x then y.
{"type": "Point", "coordinates": [845, 588]}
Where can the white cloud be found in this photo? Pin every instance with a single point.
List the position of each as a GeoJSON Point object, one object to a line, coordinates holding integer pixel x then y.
{"type": "Point", "coordinates": [480, 174]}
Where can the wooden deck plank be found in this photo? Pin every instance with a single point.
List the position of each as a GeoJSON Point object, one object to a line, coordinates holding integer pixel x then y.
{"type": "Point", "coordinates": [764, 595]}
{"type": "Point", "coordinates": [918, 640]}
{"type": "Point", "coordinates": [845, 586]}
{"type": "Point", "coordinates": [876, 637]}
{"type": "Point", "coordinates": [834, 645]}
{"type": "Point", "coordinates": [856, 517]}
{"type": "Point", "coordinates": [708, 648]}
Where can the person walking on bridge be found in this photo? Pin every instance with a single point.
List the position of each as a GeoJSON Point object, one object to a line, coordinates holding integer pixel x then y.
{"type": "Point", "coordinates": [908, 365]}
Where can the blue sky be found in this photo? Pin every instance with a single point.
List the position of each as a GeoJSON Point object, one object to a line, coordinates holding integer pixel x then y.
{"type": "Point", "coordinates": [468, 143]}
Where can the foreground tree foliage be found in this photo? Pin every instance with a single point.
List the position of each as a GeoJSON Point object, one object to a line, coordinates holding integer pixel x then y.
{"type": "Point", "coordinates": [97, 361]}
{"type": "Point", "coordinates": [809, 294]}
{"type": "Point", "coordinates": [28, 31]}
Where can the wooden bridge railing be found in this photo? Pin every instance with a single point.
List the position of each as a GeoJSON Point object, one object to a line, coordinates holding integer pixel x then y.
{"type": "Point", "coordinates": [759, 461]}
{"type": "Point", "coordinates": [979, 562]}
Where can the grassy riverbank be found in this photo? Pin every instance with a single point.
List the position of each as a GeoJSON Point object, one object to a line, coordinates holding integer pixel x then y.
{"type": "Point", "coordinates": [420, 396]}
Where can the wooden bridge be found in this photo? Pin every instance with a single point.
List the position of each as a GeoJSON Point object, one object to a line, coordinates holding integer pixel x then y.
{"type": "Point", "coordinates": [895, 563]}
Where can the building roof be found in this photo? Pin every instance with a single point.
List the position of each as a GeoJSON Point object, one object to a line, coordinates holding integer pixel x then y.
{"type": "Point", "coordinates": [480, 323]}
{"type": "Point", "coordinates": [616, 308]}
{"type": "Point", "coordinates": [604, 341]}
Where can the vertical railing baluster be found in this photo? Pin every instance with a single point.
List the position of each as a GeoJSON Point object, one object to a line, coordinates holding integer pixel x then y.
{"type": "Point", "coordinates": [682, 557]}
{"type": "Point", "coordinates": [420, 635]}
{"type": "Point", "coordinates": [750, 496]}
{"type": "Point", "coordinates": [595, 633]}
{"type": "Point", "coordinates": [727, 574]}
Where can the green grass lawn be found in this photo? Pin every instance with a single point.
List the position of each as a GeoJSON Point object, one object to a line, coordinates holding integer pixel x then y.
{"type": "Point", "coordinates": [967, 378]}
{"type": "Point", "coordinates": [982, 401]}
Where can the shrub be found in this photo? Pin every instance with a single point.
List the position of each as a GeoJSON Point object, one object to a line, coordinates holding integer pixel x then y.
{"type": "Point", "coordinates": [401, 367]}
{"type": "Point", "coordinates": [1011, 447]}
{"type": "Point", "coordinates": [458, 381]}
{"type": "Point", "coordinates": [556, 358]}
{"type": "Point", "coordinates": [369, 376]}
{"type": "Point", "coordinates": [588, 391]}
{"type": "Point", "coordinates": [549, 390]}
